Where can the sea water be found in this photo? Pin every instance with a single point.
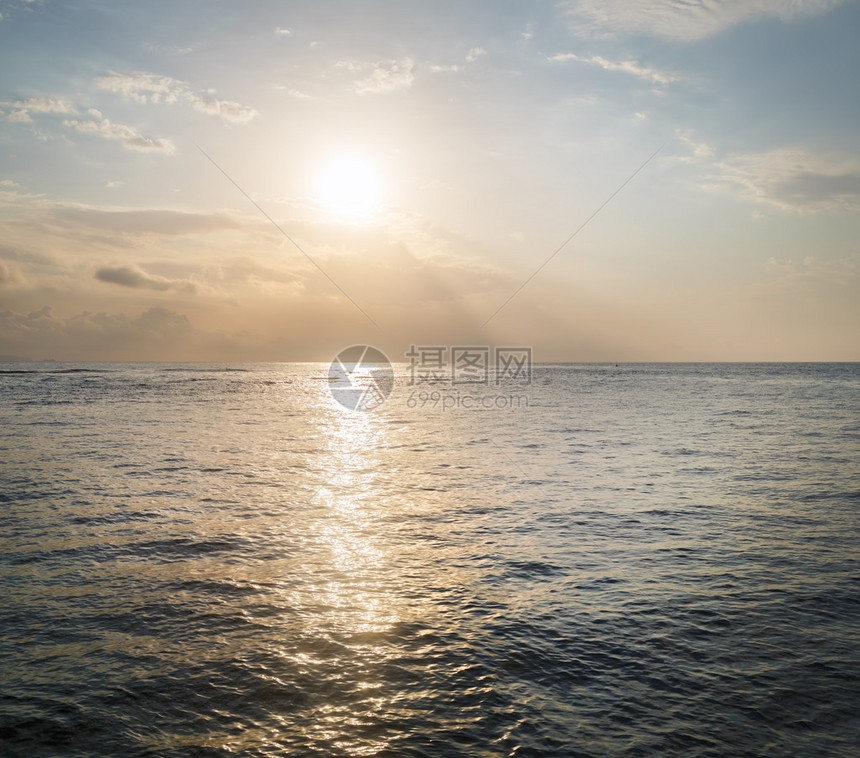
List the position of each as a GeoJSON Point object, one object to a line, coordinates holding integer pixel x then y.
{"type": "Point", "coordinates": [633, 560]}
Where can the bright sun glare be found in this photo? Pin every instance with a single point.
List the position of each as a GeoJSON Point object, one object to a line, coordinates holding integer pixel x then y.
{"type": "Point", "coordinates": [349, 185]}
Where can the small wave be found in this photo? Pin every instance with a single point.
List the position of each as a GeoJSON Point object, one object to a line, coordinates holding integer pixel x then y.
{"type": "Point", "coordinates": [183, 547]}
{"type": "Point", "coordinates": [57, 371]}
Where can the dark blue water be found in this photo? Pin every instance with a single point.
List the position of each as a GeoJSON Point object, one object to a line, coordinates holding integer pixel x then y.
{"type": "Point", "coordinates": [209, 560]}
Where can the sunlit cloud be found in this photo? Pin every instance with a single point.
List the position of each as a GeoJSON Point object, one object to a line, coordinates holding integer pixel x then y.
{"type": "Point", "coordinates": [681, 20]}
{"type": "Point", "coordinates": [20, 110]}
{"type": "Point", "coordinates": [128, 136]}
{"type": "Point", "coordinates": [387, 76]}
{"type": "Point", "coordinates": [442, 69]}
{"type": "Point", "coordinates": [412, 274]}
{"type": "Point", "coordinates": [145, 87]}
{"type": "Point", "coordinates": [655, 76]}
{"type": "Point", "coordinates": [695, 150]}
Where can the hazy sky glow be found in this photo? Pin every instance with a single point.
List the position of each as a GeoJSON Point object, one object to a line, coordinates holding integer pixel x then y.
{"type": "Point", "coordinates": [429, 157]}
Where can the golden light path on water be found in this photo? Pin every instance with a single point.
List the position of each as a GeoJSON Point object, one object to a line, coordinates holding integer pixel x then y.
{"type": "Point", "coordinates": [353, 596]}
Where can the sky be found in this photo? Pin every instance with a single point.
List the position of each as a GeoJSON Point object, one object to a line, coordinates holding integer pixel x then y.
{"type": "Point", "coordinates": [275, 181]}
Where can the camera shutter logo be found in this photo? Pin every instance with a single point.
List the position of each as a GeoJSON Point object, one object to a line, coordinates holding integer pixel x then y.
{"type": "Point", "coordinates": [361, 378]}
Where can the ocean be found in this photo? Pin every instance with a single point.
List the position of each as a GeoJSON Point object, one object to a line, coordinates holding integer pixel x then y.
{"type": "Point", "coordinates": [631, 560]}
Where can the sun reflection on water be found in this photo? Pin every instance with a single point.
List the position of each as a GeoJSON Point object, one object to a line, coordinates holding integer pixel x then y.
{"type": "Point", "coordinates": [352, 594]}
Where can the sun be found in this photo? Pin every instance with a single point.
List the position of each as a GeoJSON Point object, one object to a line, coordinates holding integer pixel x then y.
{"type": "Point", "coordinates": [349, 185]}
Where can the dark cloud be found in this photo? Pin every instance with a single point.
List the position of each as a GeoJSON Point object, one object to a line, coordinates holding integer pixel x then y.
{"type": "Point", "coordinates": [148, 221]}
{"type": "Point", "coordinates": [811, 188]}
{"type": "Point", "coordinates": [130, 276]}
{"type": "Point", "coordinates": [157, 334]}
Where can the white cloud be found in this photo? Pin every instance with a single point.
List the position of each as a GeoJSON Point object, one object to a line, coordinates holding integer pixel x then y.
{"type": "Point", "coordinates": [474, 54]}
{"type": "Point", "coordinates": [143, 87]}
{"type": "Point", "coordinates": [283, 30]}
{"type": "Point", "coordinates": [127, 135]}
{"type": "Point", "coordinates": [387, 76]}
{"type": "Point", "coordinates": [792, 180]}
{"type": "Point", "coordinates": [683, 20]}
{"type": "Point", "coordinates": [634, 68]}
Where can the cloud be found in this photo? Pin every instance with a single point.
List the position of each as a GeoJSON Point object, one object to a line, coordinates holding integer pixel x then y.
{"type": "Point", "coordinates": [144, 87]}
{"type": "Point", "coordinates": [127, 135]}
{"type": "Point", "coordinates": [135, 278]}
{"type": "Point", "coordinates": [652, 75]}
{"type": "Point", "coordinates": [145, 221]}
{"type": "Point", "coordinates": [156, 332]}
{"type": "Point", "coordinates": [837, 271]}
{"type": "Point", "coordinates": [696, 151]}
{"type": "Point", "coordinates": [283, 30]}
{"type": "Point", "coordinates": [20, 110]}
{"type": "Point", "coordinates": [9, 193]}
{"type": "Point", "coordinates": [387, 76]}
{"type": "Point", "coordinates": [792, 180]}
{"type": "Point", "coordinates": [14, 5]}
{"type": "Point", "coordinates": [474, 54]}
{"type": "Point", "coordinates": [157, 47]}
{"type": "Point", "coordinates": [681, 20]}
{"type": "Point", "coordinates": [7, 275]}
{"type": "Point", "coordinates": [440, 69]}
{"type": "Point", "coordinates": [235, 113]}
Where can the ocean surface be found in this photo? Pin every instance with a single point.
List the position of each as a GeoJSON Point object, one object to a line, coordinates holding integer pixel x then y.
{"type": "Point", "coordinates": [632, 560]}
